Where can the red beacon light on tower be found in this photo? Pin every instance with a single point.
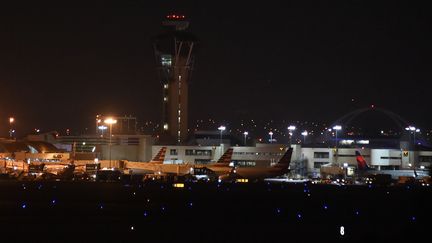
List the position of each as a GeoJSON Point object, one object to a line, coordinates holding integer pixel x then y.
{"type": "Point", "coordinates": [175, 17]}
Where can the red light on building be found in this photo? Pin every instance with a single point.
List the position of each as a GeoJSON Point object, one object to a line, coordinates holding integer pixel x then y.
{"type": "Point", "coordinates": [175, 16]}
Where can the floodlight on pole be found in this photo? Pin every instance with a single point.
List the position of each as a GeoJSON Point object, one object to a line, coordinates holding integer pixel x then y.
{"type": "Point", "coordinates": [291, 130]}
{"type": "Point", "coordinates": [11, 130]}
{"type": "Point", "coordinates": [110, 121]}
{"type": "Point", "coordinates": [245, 137]}
{"type": "Point", "coordinates": [304, 133]}
{"type": "Point", "coordinates": [337, 128]}
{"type": "Point", "coordinates": [271, 136]}
{"type": "Point", "coordinates": [221, 129]}
{"type": "Point", "coordinates": [413, 130]}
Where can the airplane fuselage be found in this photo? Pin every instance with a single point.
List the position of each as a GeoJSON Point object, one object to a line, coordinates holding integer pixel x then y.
{"type": "Point", "coordinates": [259, 173]}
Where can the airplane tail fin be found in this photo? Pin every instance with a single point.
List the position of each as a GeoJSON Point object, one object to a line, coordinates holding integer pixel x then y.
{"type": "Point", "coordinates": [160, 156]}
{"type": "Point", "coordinates": [285, 161]}
{"type": "Point", "coordinates": [361, 162]}
{"type": "Point", "coordinates": [226, 157]}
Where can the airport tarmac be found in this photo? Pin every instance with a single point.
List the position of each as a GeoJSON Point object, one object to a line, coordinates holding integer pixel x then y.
{"type": "Point", "coordinates": [210, 212]}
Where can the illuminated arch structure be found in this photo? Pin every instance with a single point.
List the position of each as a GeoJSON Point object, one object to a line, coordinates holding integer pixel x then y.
{"type": "Point", "coordinates": [401, 123]}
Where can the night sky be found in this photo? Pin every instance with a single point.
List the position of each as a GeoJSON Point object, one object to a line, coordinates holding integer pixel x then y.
{"type": "Point", "coordinates": [62, 64]}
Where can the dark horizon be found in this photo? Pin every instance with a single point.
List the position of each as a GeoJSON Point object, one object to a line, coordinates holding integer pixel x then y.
{"type": "Point", "coordinates": [61, 65]}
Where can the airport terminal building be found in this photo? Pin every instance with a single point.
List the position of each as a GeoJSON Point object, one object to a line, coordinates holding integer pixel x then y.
{"type": "Point", "coordinates": [306, 161]}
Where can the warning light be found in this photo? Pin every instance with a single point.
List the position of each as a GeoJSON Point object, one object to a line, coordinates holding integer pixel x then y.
{"type": "Point", "coordinates": [174, 16]}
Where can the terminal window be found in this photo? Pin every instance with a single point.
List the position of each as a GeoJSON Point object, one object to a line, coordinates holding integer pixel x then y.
{"type": "Point", "coordinates": [346, 155]}
{"type": "Point", "coordinates": [166, 60]}
{"type": "Point", "coordinates": [198, 152]}
{"type": "Point", "coordinates": [389, 167]}
{"type": "Point", "coordinates": [398, 158]}
{"type": "Point", "coordinates": [173, 152]}
{"type": "Point", "coordinates": [321, 155]}
{"type": "Point", "coordinates": [202, 161]}
{"type": "Point", "coordinates": [318, 165]}
{"type": "Point", "coordinates": [425, 158]}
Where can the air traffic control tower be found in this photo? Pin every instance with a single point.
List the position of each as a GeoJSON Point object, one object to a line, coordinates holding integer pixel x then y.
{"type": "Point", "coordinates": [174, 59]}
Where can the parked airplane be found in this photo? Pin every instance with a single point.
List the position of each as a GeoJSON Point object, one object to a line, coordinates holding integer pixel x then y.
{"type": "Point", "coordinates": [156, 166]}
{"type": "Point", "coordinates": [365, 170]}
{"type": "Point", "coordinates": [257, 173]}
{"type": "Point", "coordinates": [148, 167]}
{"type": "Point", "coordinates": [362, 165]}
{"type": "Point", "coordinates": [220, 167]}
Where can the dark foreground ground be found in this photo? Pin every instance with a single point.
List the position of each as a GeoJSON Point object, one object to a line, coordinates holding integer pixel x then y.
{"type": "Point", "coordinates": [208, 212]}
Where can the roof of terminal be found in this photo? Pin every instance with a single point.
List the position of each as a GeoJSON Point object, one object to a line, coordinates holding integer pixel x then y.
{"type": "Point", "coordinates": [27, 146]}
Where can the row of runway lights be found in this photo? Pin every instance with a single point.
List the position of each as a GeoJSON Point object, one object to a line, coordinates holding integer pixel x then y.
{"type": "Point", "coordinates": [299, 216]}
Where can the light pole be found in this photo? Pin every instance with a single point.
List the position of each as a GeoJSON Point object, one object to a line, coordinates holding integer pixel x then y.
{"type": "Point", "coordinates": [337, 128]}
{"type": "Point", "coordinates": [110, 122]}
{"type": "Point", "coordinates": [415, 142]}
{"type": "Point", "coordinates": [221, 129]}
{"type": "Point", "coordinates": [413, 130]}
{"type": "Point", "coordinates": [271, 136]}
{"type": "Point", "coordinates": [11, 121]}
{"type": "Point", "coordinates": [245, 137]}
{"type": "Point", "coordinates": [98, 120]}
{"type": "Point", "coordinates": [305, 133]}
{"type": "Point", "coordinates": [291, 129]}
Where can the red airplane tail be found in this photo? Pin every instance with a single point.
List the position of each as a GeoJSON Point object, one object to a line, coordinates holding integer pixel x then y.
{"type": "Point", "coordinates": [361, 162]}
{"type": "Point", "coordinates": [160, 156]}
{"type": "Point", "coordinates": [226, 157]}
{"type": "Point", "coordinates": [285, 161]}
